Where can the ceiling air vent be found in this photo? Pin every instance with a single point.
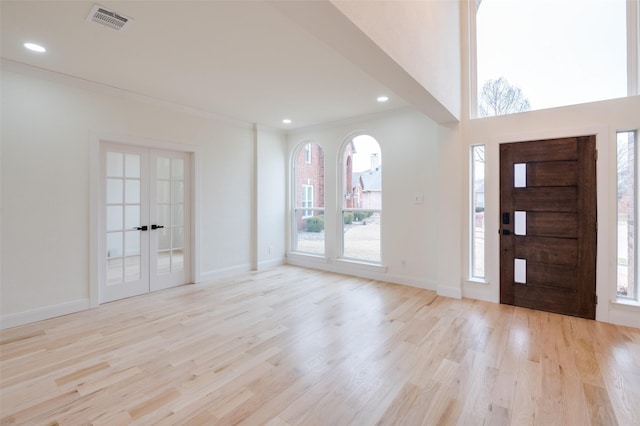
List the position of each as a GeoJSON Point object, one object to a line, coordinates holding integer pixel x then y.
{"type": "Point", "coordinates": [109, 18]}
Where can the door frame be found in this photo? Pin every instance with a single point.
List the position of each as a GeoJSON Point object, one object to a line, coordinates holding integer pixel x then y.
{"type": "Point", "coordinates": [489, 289]}
{"type": "Point", "coordinates": [95, 213]}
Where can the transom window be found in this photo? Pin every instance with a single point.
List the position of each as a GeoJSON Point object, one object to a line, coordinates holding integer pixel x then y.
{"type": "Point", "coordinates": [540, 54]}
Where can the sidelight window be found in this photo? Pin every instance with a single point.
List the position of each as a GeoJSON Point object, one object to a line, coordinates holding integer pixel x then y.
{"type": "Point", "coordinates": [477, 211]}
{"type": "Point", "coordinates": [627, 215]}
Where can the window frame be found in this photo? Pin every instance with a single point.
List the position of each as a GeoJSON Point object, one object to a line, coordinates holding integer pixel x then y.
{"type": "Point", "coordinates": [633, 54]}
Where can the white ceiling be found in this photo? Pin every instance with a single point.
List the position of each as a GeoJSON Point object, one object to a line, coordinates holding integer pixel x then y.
{"type": "Point", "coordinates": [244, 60]}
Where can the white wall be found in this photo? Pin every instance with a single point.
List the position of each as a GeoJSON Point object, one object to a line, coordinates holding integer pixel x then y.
{"type": "Point", "coordinates": [47, 123]}
{"type": "Point", "coordinates": [409, 142]}
{"type": "Point", "coordinates": [271, 197]}
{"type": "Point", "coordinates": [600, 118]}
{"type": "Point", "coordinates": [421, 36]}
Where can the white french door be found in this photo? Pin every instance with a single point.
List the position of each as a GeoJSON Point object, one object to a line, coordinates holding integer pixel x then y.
{"type": "Point", "coordinates": [145, 227]}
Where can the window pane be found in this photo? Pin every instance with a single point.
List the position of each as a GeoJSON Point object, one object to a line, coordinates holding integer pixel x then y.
{"type": "Point", "coordinates": [308, 224]}
{"type": "Point", "coordinates": [520, 271]}
{"type": "Point", "coordinates": [520, 175]}
{"type": "Point", "coordinates": [626, 207]}
{"type": "Point", "coordinates": [477, 211]}
{"type": "Point", "coordinates": [361, 237]}
{"type": "Point", "coordinates": [520, 223]}
{"type": "Point", "coordinates": [309, 232]}
{"type": "Point", "coordinates": [132, 166]}
{"type": "Point", "coordinates": [543, 54]}
{"type": "Point", "coordinates": [115, 164]}
{"type": "Point", "coordinates": [310, 177]}
{"type": "Point", "coordinates": [114, 191]}
{"type": "Point", "coordinates": [362, 174]}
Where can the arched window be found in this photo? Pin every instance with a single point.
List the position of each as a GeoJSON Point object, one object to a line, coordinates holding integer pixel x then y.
{"type": "Point", "coordinates": [361, 206]}
{"type": "Point", "coordinates": [308, 199]}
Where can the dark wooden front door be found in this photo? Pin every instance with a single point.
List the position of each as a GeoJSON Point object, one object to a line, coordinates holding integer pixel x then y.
{"type": "Point", "coordinates": [548, 225]}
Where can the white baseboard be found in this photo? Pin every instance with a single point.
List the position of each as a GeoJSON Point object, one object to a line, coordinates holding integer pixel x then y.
{"type": "Point", "coordinates": [453, 292]}
{"type": "Point", "coordinates": [373, 272]}
{"type": "Point", "coordinates": [266, 264]}
{"type": "Point", "coordinates": [223, 273]}
{"type": "Point", "coordinates": [40, 314]}
{"type": "Point", "coordinates": [479, 291]}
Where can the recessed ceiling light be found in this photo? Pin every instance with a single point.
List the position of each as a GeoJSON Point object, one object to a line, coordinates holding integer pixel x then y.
{"type": "Point", "coordinates": [382, 98]}
{"type": "Point", "coordinates": [35, 47]}
{"type": "Point", "coordinates": [286, 121]}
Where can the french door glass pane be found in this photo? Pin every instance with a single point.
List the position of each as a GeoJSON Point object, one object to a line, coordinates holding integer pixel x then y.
{"type": "Point", "coordinates": [164, 192]}
{"type": "Point", "coordinates": [115, 271]}
{"type": "Point", "coordinates": [177, 168]}
{"type": "Point", "coordinates": [132, 243]}
{"type": "Point", "coordinates": [132, 266]}
{"type": "Point", "coordinates": [170, 214]}
{"type": "Point", "coordinates": [132, 166]}
{"type": "Point", "coordinates": [131, 217]}
{"type": "Point", "coordinates": [114, 244]}
{"type": "Point", "coordinates": [115, 164]}
{"type": "Point", "coordinates": [164, 168]}
{"type": "Point", "coordinates": [132, 191]}
{"type": "Point", "coordinates": [114, 218]}
{"type": "Point", "coordinates": [114, 191]}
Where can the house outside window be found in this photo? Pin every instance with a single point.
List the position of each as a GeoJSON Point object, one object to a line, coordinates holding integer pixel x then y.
{"type": "Point", "coordinates": [361, 208]}
{"type": "Point", "coordinates": [308, 199]}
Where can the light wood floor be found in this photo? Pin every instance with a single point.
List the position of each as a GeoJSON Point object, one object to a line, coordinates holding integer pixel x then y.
{"type": "Point", "coordinates": [295, 346]}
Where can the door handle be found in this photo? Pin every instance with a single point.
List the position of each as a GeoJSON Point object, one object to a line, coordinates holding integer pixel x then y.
{"type": "Point", "coordinates": [157, 226]}
{"type": "Point", "coordinates": [141, 228]}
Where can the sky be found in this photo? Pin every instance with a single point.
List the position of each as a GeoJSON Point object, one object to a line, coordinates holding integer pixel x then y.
{"type": "Point", "coordinates": [365, 146]}
{"type": "Point", "coordinates": [559, 52]}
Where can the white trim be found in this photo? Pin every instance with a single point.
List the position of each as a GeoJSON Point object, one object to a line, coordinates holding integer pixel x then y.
{"type": "Point", "coordinates": [266, 264]}
{"type": "Point", "coordinates": [96, 138]}
{"type": "Point", "coordinates": [452, 292]}
{"type": "Point", "coordinates": [479, 290]}
{"type": "Point", "coordinates": [624, 314]}
{"type": "Point", "coordinates": [48, 75]}
{"type": "Point", "coordinates": [357, 269]}
{"type": "Point", "coordinates": [44, 313]}
{"type": "Point", "coordinates": [227, 272]}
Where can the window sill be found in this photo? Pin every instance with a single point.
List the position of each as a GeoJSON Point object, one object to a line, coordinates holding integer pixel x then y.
{"type": "Point", "coordinates": [363, 266]}
{"type": "Point", "coordinates": [312, 257]}
{"type": "Point", "coordinates": [627, 305]}
{"type": "Point", "coordinates": [477, 281]}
